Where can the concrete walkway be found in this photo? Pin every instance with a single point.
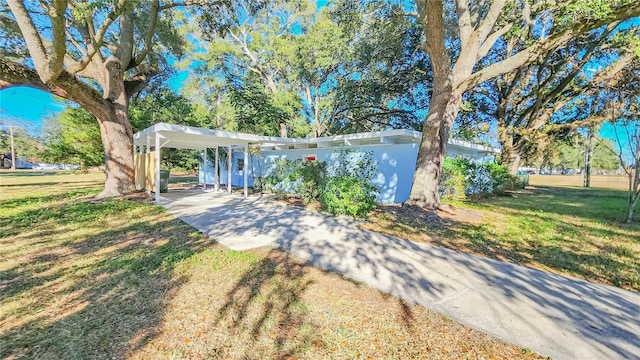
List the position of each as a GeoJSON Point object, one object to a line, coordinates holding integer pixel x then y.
{"type": "Point", "coordinates": [553, 315]}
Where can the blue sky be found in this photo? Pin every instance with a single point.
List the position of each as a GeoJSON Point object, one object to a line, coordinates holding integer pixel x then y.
{"type": "Point", "coordinates": [28, 107]}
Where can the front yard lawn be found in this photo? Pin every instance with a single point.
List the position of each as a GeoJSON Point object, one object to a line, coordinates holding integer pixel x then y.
{"type": "Point", "coordinates": [123, 279]}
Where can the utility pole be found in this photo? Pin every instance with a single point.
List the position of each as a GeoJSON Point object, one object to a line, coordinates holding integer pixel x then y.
{"type": "Point", "coordinates": [13, 150]}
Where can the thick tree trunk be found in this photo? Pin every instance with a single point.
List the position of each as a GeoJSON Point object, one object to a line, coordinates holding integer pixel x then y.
{"type": "Point", "coordinates": [510, 156]}
{"type": "Point", "coordinates": [117, 139]}
{"type": "Point", "coordinates": [117, 136]}
{"type": "Point", "coordinates": [443, 109]}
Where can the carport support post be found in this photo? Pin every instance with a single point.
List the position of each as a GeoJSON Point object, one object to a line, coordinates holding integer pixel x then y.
{"type": "Point", "coordinates": [229, 156]}
{"type": "Point", "coordinates": [245, 172]}
{"type": "Point", "coordinates": [216, 177]}
{"type": "Point", "coordinates": [204, 182]}
{"type": "Point", "coordinates": [157, 168]}
{"type": "Point", "coordinates": [146, 158]}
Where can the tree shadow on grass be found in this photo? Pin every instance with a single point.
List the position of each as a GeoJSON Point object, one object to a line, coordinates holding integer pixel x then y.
{"type": "Point", "coordinates": [40, 199]}
{"type": "Point", "coordinates": [615, 265]}
{"type": "Point", "coordinates": [265, 303]}
{"type": "Point", "coordinates": [99, 297]}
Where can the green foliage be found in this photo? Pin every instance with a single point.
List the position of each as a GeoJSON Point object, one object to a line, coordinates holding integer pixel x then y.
{"type": "Point", "coordinates": [318, 71]}
{"type": "Point", "coordinates": [256, 111]}
{"type": "Point", "coordinates": [342, 187]}
{"type": "Point", "coordinates": [603, 157]}
{"type": "Point", "coordinates": [283, 177]}
{"type": "Point", "coordinates": [569, 154]}
{"type": "Point", "coordinates": [25, 145]}
{"type": "Point", "coordinates": [349, 189]}
{"type": "Point", "coordinates": [163, 105]}
{"type": "Point", "coordinates": [349, 195]}
{"type": "Point", "coordinates": [313, 175]}
{"type": "Point", "coordinates": [452, 180]}
{"type": "Point", "coordinates": [500, 177]}
{"type": "Point", "coordinates": [461, 177]}
{"type": "Point", "coordinates": [73, 138]}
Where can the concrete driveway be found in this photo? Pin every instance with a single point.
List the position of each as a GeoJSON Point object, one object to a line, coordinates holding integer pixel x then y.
{"type": "Point", "coordinates": [553, 315]}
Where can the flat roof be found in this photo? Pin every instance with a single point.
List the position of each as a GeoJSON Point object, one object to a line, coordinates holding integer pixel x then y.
{"type": "Point", "coordinates": [189, 137]}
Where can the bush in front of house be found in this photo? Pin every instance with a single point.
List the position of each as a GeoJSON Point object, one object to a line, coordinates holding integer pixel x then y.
{"type": "Point", "coordinates": [313, 180]}
{"type": "Point", "coordinates": [461, 178]}
{"type": "Point", "coordinates": [349, 185]}
{"type": "Point", "coordinates": [284, 177]}
{"type": "Point", "coordinates": [452, 180]}
{"type": "Point", "coordinates": [342, 187]}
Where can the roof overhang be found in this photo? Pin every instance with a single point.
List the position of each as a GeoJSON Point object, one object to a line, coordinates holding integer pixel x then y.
{"type": "Point", "coordinates": [188, 137]}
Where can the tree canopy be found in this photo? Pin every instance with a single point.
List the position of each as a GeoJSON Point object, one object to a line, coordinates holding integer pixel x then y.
{"type": "Point", "coordinates": [319, 71]}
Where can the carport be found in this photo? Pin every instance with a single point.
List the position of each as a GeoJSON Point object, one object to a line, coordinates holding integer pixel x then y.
{"type": "Point", "coordinates": [148, 143]}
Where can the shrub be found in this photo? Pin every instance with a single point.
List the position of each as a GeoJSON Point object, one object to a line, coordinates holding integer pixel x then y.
{"type": "Point", "coordinates": [349, 189]}
{"type": "Point", "coordinates": [312, 175]}
{"type": "Point", "coordinates": [342, 187]}
{"type": "Point", "coordinates": [284, 177]}
{"type": "Point", "coordinates": [502, 180]}
{"type": "Point", "coordinates": [461, 177]}
{"type": "Point", "coordinates": [349, 195]}
{"type": "Point", "coordinates": [452, 181]}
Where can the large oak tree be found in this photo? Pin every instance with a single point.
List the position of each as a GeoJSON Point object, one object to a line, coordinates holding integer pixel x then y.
{"type": "Point", "coordinates": [460, 33]}
{"type": "Point", "coordinates": [95, 53]}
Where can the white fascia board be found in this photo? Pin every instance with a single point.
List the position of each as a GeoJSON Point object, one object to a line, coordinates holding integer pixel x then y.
{"type": "Point", "coordinates": [168, 129]}
{"type": "Point", "coordinates": [204, 138]}
{"type": "Point", "coordinates": [469, 145]}
{"type": "Point", "coordinates": [369, 135]}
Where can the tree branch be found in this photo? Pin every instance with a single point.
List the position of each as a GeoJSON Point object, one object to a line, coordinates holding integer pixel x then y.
{"type": "Point", "coordinates": [531, 53]}
{"type": "Point", "coordinates": [66, 85]}
{"type": "Point", "coordinates": [489, 21]}
{"type": "Point", "coordinates": [44, 67]}
{"type": "Point", "coordinates": [155, 9]}
{"type": "Point", "coordinates": [464, 22]}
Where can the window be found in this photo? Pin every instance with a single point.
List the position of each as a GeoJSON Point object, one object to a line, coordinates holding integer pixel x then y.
{"type": "Point", "coordinates": [311, 157]}
{"type": "Point", "coordinates": [240, 164]}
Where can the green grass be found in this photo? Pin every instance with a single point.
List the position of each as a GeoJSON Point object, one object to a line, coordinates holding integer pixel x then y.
{"type": "Point", "coordinates": [568, 230]}
{"type": "Point", "coordinates": [81, 279]}
{"type": "Point", "coordinates": [573, 230]}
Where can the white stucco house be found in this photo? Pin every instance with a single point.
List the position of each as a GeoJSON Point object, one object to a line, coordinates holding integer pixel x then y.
{"type": "Point", "coordinates": [394, 152]}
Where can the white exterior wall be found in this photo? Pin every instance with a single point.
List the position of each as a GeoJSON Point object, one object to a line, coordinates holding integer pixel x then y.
{"type": "Point", "coordinates": [396, 165]}
{"type": "Point", "coordinates": [211, 170]}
